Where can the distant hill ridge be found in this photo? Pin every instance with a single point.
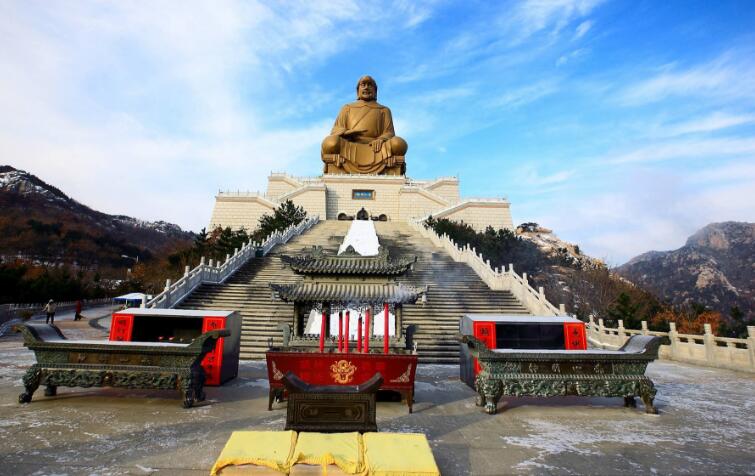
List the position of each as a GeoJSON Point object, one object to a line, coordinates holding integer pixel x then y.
{"type": "Point", "coordinates": [42, 223]}
{"type": "Point", "coordinates": [715, 268]}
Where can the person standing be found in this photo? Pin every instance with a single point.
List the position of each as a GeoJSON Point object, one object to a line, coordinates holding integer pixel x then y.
{"type": "Point", "coordinates": [77, 316]}
{"type": "Point", "coordinates": [49, 309]}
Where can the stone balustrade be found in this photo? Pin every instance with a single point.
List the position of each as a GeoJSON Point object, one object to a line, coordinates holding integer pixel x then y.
{"type": "Point", "coordinates": [217, 272]}
{"type": "Point", "coordinates": [705, 349]}
{"type": "Point", "coordinates": [498, 279]}
{"type": "Point", "coordinates": [11, 314]}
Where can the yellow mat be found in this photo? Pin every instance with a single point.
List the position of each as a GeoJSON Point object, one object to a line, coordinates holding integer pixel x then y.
{"type": "Point", "coordinates": [341, 449]}
{"type": "Point", "coordinates": [272, 449]}
{"type": "Point", "coordinates": [394, 454]}
{"type": "Point", "coordinates": [335, 454]}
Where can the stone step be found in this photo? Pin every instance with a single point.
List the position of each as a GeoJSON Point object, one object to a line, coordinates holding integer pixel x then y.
{"type": "Point", "coordinates": [453, 290]}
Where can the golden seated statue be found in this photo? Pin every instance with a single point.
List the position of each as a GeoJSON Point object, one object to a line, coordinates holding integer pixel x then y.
{"type": "Point", "coordinates": [363, 140]}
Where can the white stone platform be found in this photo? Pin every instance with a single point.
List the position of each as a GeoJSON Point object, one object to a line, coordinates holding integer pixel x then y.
{"type": "Point", "coordinates": [399, 198]}
{"type": "Point", "coordinates": [706, 425]}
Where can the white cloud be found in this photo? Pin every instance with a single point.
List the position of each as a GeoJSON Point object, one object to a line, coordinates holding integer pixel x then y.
{"type": "Point", "coordinates": [146, 111]}
{"type": "Point", "coordinates": [529, 177]}
{"type": "Point", "coordinates": [644, 209]}
{"type": "Point", "coordinates": [525, 94]}
{"type": "Point", "coordinates": [686, 149]}
{"type": "Point", "coordinates": [710, 123]}
{"type": "Point", "coordinates": [729, 76]}
{"type": "Point", "coordinates": [534, 16]}
{"type": "Point", "coordinates": [582, 29]}
{"type": "Point", "coordinates": [566, 58]}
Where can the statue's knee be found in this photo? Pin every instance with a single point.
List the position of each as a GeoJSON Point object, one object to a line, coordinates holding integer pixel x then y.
{"type": "Point", "coordinates": [330, 145]}
{"type": "Point", "coordinates": [398, 146]}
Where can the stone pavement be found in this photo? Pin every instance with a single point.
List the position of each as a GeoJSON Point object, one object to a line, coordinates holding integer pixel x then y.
{"type": "Point", "coordinates": [706, 425]}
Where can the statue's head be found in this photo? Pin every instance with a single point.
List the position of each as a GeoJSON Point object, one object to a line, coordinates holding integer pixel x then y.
{"type": "Point", "coordinates": [367, 89]}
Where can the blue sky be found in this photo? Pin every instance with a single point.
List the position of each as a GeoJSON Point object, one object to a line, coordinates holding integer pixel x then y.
{"type": "Point", "coordinates": [622, 125]}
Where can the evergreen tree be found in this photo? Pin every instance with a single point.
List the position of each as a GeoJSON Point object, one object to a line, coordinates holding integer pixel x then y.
{"type": "Point", "coordinates": [625, 310]}
{"type": "Point", "coordinates": [285, 215]}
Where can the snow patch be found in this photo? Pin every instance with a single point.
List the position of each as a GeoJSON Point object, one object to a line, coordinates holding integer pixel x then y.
{"type": "Point", "coordinates": [362, 237]}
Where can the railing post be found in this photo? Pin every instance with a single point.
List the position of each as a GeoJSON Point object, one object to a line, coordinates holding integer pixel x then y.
{"type": "Point", "coordinates": [186, 270]}
{"type": "Point", "coordinates": [751, 344]}
{"type": "Point", "coordinates": [710, 344]}
{"type": "Point", "coordinates": [562, 309]}
{"type": "Point", "coordinates": [167, 294]}
{"type": "Point", "coordinates": [601, 329]}
{"type": "Point", "coordinates": [524, 278]}
{"type": "Point", "coordinates": [673, 336]}
{"type": "Point", "coordinates": [645, 330]}
{"type": "Point", "coordinates": [621, 333]}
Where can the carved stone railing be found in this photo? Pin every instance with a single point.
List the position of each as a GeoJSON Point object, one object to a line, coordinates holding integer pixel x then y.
{"type": "Point", "coordinates": [705, 349]}
{"type": "Point", "coordinates": [497, 279]}
{"type": "Point", "coordinates": [217, 272]}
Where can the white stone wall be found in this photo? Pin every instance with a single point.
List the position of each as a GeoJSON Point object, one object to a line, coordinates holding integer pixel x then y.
{"type": "Point", "coordinates": [312, 200]}
{"type": "Point", "coordinates": [339, 195]}
{"type": "Point", "coordinates": [480, 215]}
{"type": "Point", "coordinates": [238, 211]}
{"type": "Point", "coordinates": [278, 185]}
{"type": "Point", "coordinates": [399, 198]}
{"type": "Point", "coordinates": [447, 189]}
{"type": "Point", "coordinates": [415, 204]}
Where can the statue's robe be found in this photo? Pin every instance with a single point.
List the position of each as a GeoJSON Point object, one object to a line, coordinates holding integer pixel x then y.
{"type": "Point", "coordinates": [355, 152]}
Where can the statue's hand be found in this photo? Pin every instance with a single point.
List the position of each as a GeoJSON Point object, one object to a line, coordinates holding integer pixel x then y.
{"type": "Point", "coordinates": [352, 132]}
{"type": "Point", "coordinates": [377, 144]}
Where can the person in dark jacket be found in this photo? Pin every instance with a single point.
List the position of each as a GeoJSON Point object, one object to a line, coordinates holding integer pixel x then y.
{"type": "Point", "coordinates": [77, 316]}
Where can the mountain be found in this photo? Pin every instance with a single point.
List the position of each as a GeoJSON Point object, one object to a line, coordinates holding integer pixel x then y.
{"type": "Point", "coordinates": [41, 223]}
{"type": "Point", "coordinates": [558, 250]}
{"type": "Point", "coordinates": [714, 268]}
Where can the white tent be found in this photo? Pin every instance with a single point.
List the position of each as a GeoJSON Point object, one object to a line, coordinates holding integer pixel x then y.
{"type": "Point", "coordinates": [130, 297]}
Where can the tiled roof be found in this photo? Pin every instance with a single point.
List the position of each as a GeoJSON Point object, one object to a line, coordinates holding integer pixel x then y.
{"type": "Point", "coordinates": [349, 262]}
{"type": "Point", "coordinates": [349, 293]}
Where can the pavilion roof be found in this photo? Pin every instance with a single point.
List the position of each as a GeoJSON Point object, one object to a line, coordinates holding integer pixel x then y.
{"type": "Point", "coordinates": [349, 262]}
{"type": "Point", "coordinates": [349, 293]}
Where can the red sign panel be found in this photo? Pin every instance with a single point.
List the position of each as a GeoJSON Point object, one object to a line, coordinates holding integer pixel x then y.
{"type": "Point", "coordinates": [213, 360]}
{"type": "Point", "coordinates": [485, 332]}
{"type": "Point", "coordinates": [574, 336]}
{"type": "Point", "coordinates": [121, 326]}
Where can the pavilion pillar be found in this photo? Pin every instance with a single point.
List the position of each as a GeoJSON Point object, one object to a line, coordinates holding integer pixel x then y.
{"type": "Point", "coordinates": [298, 326]}
{"type": "Point", "coordinates": [340, 331]}
{"type": "Point", "coordinates": [346, 333]}
{"type": "Point", "coordinates": [399, 311]}
{"type": "Point", "coordinates": [386, 329]}
{"type": "Point", "coordinates": [323, 331]}
{"type": "Point", "coordinates": [367, 330]}
{"type": "Point", "coordinates": [371, 331]}
{"type": "Point", "coordinates": [326, 309]}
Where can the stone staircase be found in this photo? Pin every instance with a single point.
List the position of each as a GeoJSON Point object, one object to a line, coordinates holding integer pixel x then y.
{"type": "Point", "coordinates": [454, 289]}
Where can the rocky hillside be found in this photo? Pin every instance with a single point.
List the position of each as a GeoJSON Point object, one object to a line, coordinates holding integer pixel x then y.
{"type": "Point", "coordinates": [715, 268]}
{"type": "Point", "coordinates": [557, 249]}
{"type": "Point", "coordinates": [41, 223]}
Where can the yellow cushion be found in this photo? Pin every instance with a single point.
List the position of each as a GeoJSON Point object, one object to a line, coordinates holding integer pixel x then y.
{"type": "Point", "coordinates": [341, 449]}
{"type": "Point", "coordinates": [272, 449]}
{"type": "Point", "coordinates": [394, 454]}
{"type": "Point", "coordinates": [302, 469]}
